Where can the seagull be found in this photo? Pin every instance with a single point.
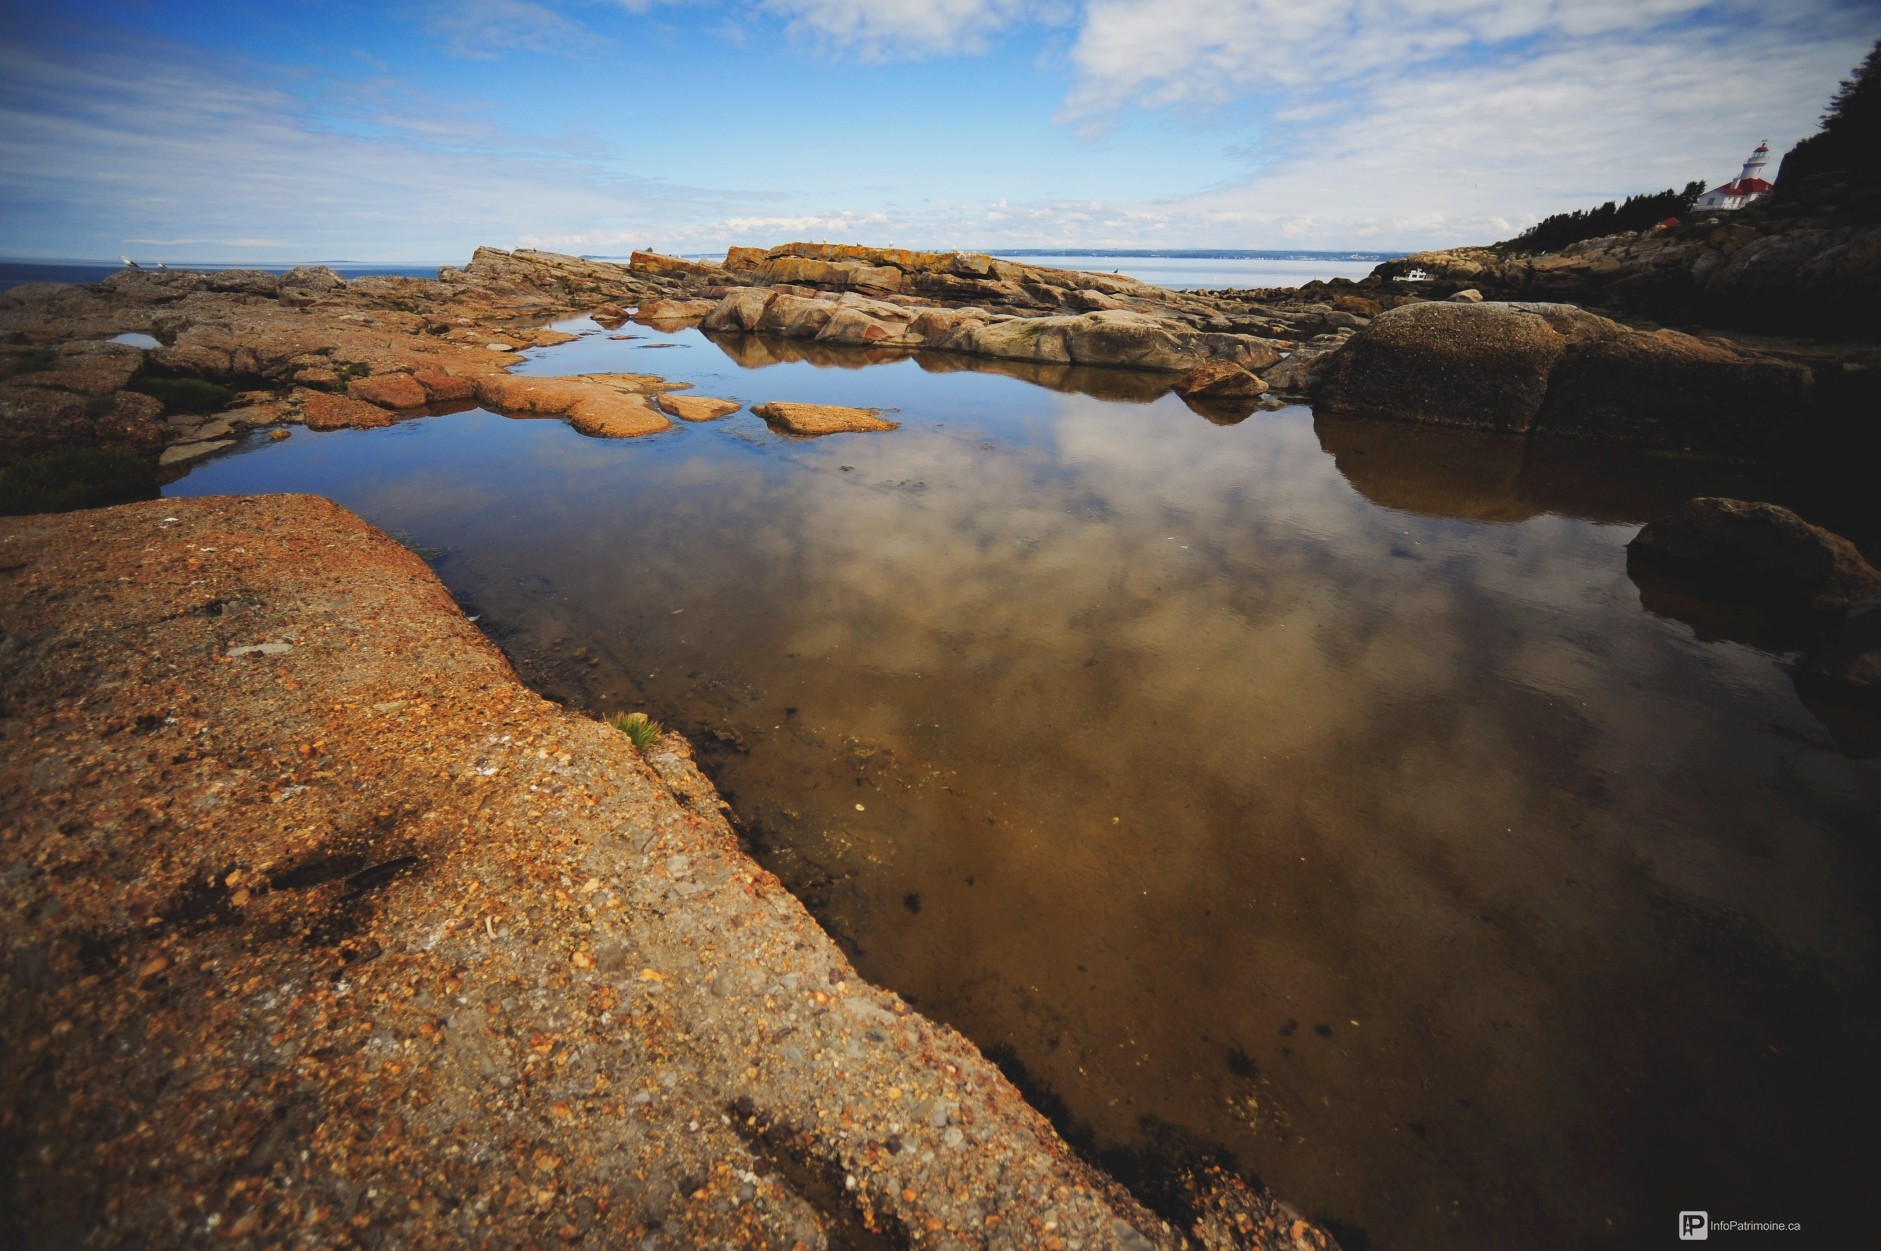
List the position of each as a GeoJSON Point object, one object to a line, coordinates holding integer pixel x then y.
{"type": "Point", "coordinates": [129, 263]}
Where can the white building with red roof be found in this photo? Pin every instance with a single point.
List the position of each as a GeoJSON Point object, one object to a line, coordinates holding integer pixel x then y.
{"type": "Point", "coordinates": [1749, 185]}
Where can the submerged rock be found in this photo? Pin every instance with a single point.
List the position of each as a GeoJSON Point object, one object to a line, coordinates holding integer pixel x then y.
{"type": "Point", "coordinates": [821, 418]}
{"type": "Point", "coordinates": [1847, 661]}
{"type": "Point", "coordinates": [1759, 552]}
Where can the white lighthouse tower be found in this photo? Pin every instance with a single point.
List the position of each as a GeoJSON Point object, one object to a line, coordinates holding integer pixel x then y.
{"type": "Point", "coordinates": [1748, 186]}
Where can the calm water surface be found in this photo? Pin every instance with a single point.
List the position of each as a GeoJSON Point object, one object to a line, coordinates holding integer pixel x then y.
{"type": "Point", "coordinates": [1327, 792]}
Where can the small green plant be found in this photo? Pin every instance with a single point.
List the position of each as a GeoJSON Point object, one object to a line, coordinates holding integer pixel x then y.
{"type": "Point", "coordinates": [88, 477]}
{"type": "Point", "coordinates": [18, 361]}
{"type": "Point", "coordinates": [185, 395]}
{"type": "Point", "coordinates": [100, 405]}
{"type": "Point", "coordinates": [639, 727]}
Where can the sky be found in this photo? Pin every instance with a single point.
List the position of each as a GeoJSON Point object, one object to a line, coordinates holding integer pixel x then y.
{"type": "Point", "coordinates": [414, 130]}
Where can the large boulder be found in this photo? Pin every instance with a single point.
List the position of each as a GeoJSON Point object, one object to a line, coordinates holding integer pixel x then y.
{"type": "Point", "coordinates": [1480, 365]}
{"type": "Point", "coordinates": [865, 323]}
{"type": "Point", "coordinates": [1847, 661]}
{"type": "Point", "coordinates": [793, 316]}
{"type": "Point", "coordinates": [739, 310]}
{"type": "Point", "coordinates": [1562, 370]}
{"type": "Point", "coordinates": [1667, 389]}
{"type": "Point", "coordinates": [1760, 553]}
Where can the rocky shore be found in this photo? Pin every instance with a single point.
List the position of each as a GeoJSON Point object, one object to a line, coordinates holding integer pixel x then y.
{"type": "Point", "coordinates": [308, 346]}
{"type": "Point", "coordinates": [321, 930]}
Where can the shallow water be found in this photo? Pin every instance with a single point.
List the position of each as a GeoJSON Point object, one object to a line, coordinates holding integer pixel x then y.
{"type": "Point", "coordinates": [1328, 792]}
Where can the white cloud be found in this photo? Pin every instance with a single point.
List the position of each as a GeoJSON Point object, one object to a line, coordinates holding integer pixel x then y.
{"type": "Point", "coordinates": [1420, 123]}
{"type": "Point", "coordinates": [1163, 52]}
{"type": "Point", "coordinates": [484, 29]}
{"type": "Point", "coordinates": [884, 28]}
{"type": "Point", "coordinates": [107, 147]}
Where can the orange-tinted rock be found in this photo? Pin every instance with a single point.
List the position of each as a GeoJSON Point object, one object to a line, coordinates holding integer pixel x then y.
{"type": "Point", "coordinates": [615, 415]}
{"type": "Point", "coordinates": [324, 411]}
{"type": "Point", "coordinates": [505, 392]}
{"type": "Point", "coordinates": [390, 391]}
{"type": "Point", "coordinates": [697, 407]}
{"type": "Point", "coordinates": [674, 267]}
{"type": "Point", "coordinates": [316, 376]}
{"type": "Point", "coordinates": [445, 388]}
{"type": "Point", "coordinates": [592, 407]}
{"type": "Point", "coordinates": [675, 310]}
{"type": "Point", "coordinates": [821, 418]}
{"type": "Point", "coordinates": [1219, 380]}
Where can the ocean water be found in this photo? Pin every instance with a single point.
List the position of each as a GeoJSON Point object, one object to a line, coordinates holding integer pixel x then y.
{"type": "Point", "coordinates": [1328, 793]}
{"type": "Point", "coordinates": [15, 273]}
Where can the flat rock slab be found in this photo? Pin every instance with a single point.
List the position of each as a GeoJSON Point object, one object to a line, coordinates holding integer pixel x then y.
{"type": "Point", "coordinates": [178, 453]}
{"type": "Point", "coordinates": [815, 419]}
{"type": "Point", "coordinates": [335, 933]}
{"type": "Point", "coordinates": [394, 391]}
{"type": "Point", "coordinates": [617, 417]}
{"type": "Point", "coordinates": [698, 407]}
{"type": "Point", "coordinates": [323, 411]}
{"type": "Point", "coordinates": [599, 406]}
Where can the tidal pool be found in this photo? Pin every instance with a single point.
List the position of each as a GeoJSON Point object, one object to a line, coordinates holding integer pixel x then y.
{"type": "Point", "coordinates": [1324, 792]}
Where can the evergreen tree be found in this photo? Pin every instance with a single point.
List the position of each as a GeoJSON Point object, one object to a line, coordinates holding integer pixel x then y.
{"type": "Point", "coordinates": [1638, 212]}
{"type": "Point", "coordinates": [1849, 143]}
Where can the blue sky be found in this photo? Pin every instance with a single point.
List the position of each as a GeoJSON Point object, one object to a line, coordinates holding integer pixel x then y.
{"type": "Point", "coordinates": [413, 130]}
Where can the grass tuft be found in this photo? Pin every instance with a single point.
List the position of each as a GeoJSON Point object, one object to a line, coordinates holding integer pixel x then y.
{"type": "Point", "coordinates": [18, 361]}
{"type": "Point", "coordinates": [90, 477]}
{"type": "Point", "coordinates": [185, 395]}
{"type": "Point", "coordinates": [637, 726]}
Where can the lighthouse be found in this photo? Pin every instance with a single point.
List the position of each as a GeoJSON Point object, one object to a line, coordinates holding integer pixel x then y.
{"type": "Point", "coordinates": [1747, 187]}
